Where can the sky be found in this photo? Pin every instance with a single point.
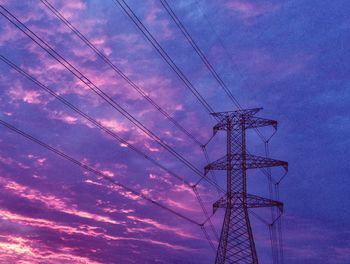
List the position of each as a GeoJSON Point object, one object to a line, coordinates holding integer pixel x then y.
{"type": "Point", "coordinates": [289, 57]}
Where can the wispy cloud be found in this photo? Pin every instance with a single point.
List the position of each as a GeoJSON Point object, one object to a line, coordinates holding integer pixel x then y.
{"type": "Point", "coordinates": [250, 9]}
{"type": "Point", "coordinates": [53, 202]}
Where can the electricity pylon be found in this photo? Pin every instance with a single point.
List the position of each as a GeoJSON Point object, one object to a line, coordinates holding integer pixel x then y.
{"type": "Point", "coordinates": [236, 245]}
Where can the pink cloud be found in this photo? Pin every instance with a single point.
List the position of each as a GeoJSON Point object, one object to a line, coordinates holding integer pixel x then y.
{"type": "Point", "coordinates": [72, 8]}
{"type": "Point", "coordinates": [162, 227]}
{"type": "Point", "coordinates": [21, 245]}
{"type": "Point", "coordinates": [44, 223]}
{"type": "Point", "coordinates": [248, 9]}
{"type": "Point", "coordinates": [181, 205]}
{"type": "Point", "coordinates": [61, 116]}
{"type": "Point", "coordinates": [153, 19]}
{"type": "Point", "coordinates": [160, 178]}
{"type": "Point", "coordinates": [7, 34]}
{"type": "Point", "coordinates": [38, 161]}
{"type": "Point", "coordinates": [186, 203]}
{"type": "Point", "coordinates": [18, 93]}
{"type": "Point", "coordinates": [108, 173]}
{"type": "Point", "coordinates": [12, 162]}
{"type": "Point", "coordinates": [114, 125]}
{"type": "Point", "coordinates": [153, 241]}
{"type": "Point", "coordinates": [19, 250]}
{"type": "Point", "coordinates": [53, 202]}
{"type": "Point", "coordinates": [126, 194]}
{"type": "Point", "coordinates": [151, 148]}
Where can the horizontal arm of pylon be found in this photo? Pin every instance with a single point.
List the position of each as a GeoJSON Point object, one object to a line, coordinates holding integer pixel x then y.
{"type": "Point", "coordinates": [251, 162]}
{"type": "Point", "coordinates": [243, 117]}
{"type": "Point", "coordinates": [254, 201]}
{"type": "Point", "coordinates": [222, 125]}
{"type": "Point", "coordinates": [255, 122]}
{"type": "Point", "coordinates": [245, 114]}
{"type": "Point", "coordinates": [220, 164]}
{"type": "Point", "coordinates": [236, 113]}
{"type": "Point", "coordinates": [251, 201]}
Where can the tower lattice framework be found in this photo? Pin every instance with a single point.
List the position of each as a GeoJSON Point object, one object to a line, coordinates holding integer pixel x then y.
{"type": "Point", "coordinates": [236, 245]}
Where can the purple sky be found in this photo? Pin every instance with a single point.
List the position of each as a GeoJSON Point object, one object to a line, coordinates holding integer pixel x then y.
{"type": "Point", "coordinates": [288, 56]}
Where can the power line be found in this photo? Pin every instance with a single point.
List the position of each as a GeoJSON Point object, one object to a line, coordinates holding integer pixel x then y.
{"type": "Point", "coordinates": [129, 12]}
{"type": "Point", "coordinates": [125, 7]}
{"type": "Point", "coordinates": [92, 120]}
{"type": "Point", "coordinates": [99, 92]}
{"type": "Point", "coordinates": [231, 63]}
{"type": "Point", "coordinates": [204, 59]}
{"type": "Point", "coordinates": [136, 87]}
{"type": "Point", "coordinates": [13, 19]}
{"type": "Point", "coordinates": [209, 66]}
{"type": "Point", "coordinates": [199, 52]}
{"type": "Point", "coordinates": [172, 64]}
{"type": "Point", "coordinates": [165, 56]}
{"type": "Point", "coordinates": [142, 92]}
{"type": "Point", "coordinates": [132, 84]}
{"type": "Point", "coordinates": [126, 78]}
{"type": "Point", "coordinates": [208, 238]}
{"type": "Point", "coordinates": [205, 212]}
{"type": "Point", "coordinates": [96, 172]}
{"type": "Point", "coordinates": [277, 256]}
{"type": "Point", "coordinates": [114, 135]}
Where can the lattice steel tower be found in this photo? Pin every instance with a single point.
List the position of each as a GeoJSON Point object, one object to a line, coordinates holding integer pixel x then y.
{"type": "Point", "coordinates": [236, 245]}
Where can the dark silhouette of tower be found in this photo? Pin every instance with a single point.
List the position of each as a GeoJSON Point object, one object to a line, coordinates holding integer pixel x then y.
{"type": "Point", "coordinates": [236, 245]}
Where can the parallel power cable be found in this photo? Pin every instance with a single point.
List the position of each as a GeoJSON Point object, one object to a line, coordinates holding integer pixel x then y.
{"type": "Point", "coordinates": [277, 242]}
{"type": "Point", "coordinates": [35, 38]}
{"type": "Point", "coordinates": [171, 63]}
{"type": "Point", "coordinates": [128, 80]}
{"type": "Point", "coordinates": [92, 120]}
{"type": "Point", "coordinates": [136, 87]}
{"type": "Point", "coordinates": [203, 57]}
{"type": "Point", "coordinates": [279, 229]}
{"type": "Point", "coordinates": [129, 12]}
{"type": "Point", "coordinates": [206, 62]}
{"type": "Point", "coordinates": [272, 226]}
{"type": "Point", "coordinates": [96, 172]}
{"type": "Point", "coordinates": [199, 52]}
{"type": "Point", "coordinates": [115, 136]}
{"type": "Point", "coordinates": [266, 141]}
{"type": "Point", "coordinates": [93, 87]}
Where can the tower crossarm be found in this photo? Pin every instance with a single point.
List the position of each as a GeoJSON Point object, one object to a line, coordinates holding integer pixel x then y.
{"type": "Point", "coordinates": [220, 164]}
{"type": "Point", "coordinates": [254, 201]}
{"type": "Point", "coordinates": [222, 125]}
{"type": "Point", "coordinates": [252, 162]}
{"type": "Point", "coordinates": [244, 114]}
{"type": "Point", "coordinates": [237, 113]}
{"type": "Point", "coordinates": [221, 203]}
{"type": "Point", "coordinates": [255, 122]}
{"type": "Point", "coordinates": [251, 122]}
{"type": "Point", "coordinates": [248, 201]}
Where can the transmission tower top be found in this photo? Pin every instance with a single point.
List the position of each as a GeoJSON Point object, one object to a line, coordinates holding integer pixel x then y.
{"type": "Point", "coordinates": [251, 111]}
{"type": "Point", "coordinates": [243, 118]}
